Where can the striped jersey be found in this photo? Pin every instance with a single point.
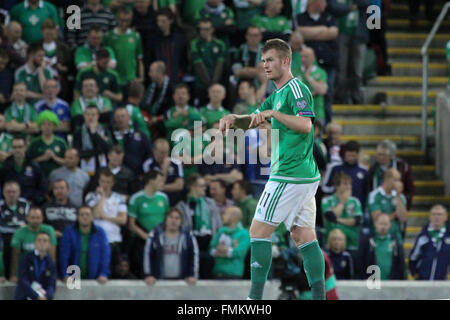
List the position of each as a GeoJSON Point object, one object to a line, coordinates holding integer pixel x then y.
{"type": "Point", "coordinates": [292, 158]}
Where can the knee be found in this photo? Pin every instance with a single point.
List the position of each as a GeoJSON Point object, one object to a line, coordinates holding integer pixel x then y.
{"type": "Point", "coordinates": [302, 235]}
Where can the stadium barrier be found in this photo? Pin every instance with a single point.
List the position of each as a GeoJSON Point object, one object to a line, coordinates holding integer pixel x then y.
{"type": "Point", "coordinates": [442, 137]}
{"type": "Point", "coordinates": [235, 290]}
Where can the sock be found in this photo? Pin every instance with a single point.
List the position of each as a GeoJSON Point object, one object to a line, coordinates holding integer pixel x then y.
{"type": "Point", "coordinates": [314, 266]}
{"type": "Point", "coordinates": [261, 259]}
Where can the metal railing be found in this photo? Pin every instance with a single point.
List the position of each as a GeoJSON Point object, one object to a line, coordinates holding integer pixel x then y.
{"type": "Point", "coordinates": [425, 59]}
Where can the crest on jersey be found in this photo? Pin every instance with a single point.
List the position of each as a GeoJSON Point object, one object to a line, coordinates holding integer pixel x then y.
{"type": "Point", "coordinates": [278, 106]}
{"type": "Point", "coordinates": [301, 104]}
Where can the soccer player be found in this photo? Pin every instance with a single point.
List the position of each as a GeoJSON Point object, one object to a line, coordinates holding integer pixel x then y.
{"type": "Point", "coordinates": [294, 177]}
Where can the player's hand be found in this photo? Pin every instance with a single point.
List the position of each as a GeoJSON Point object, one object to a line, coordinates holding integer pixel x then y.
{"type": "Point", "coordinates": [259, 118]}
{"type": "Point", "coordinates": [226, 123]}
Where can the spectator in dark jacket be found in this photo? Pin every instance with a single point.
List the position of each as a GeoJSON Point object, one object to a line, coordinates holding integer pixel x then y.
{"type": "Point", "coordinates": [37, 272]}
{"type": "Point", "coordinates": [171, 251]}
{"type": "Point", "coordinates": [430, 256]}
{"type": "Point", "coordinates": [382, 249]}
{"type": "Point", "coordinates": [385, 158]}
{"type": "Point", "coordinates": [33, 184]}
{"type": "Point", "coordinates": [340, 258]}
{"type": "Point", "coordinates": [84, 244]}
{"type": "Point", "coordinates": [350, 166]}
{"type": "Point", "coordinates": [135, 144]}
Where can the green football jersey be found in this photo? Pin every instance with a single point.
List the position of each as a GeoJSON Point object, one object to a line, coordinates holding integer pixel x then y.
{"type": "Point", "coordinates": [380, 201]}
{"type": "Point", "coordinates": [271, 24]}
{"type": "Point", "coordinates": [5, 143]}
{"type": "Point", "coordinates": [84, 55]}
{"type": "Point", "coordinates": [31, 79]}
{"type": "Point", "coordinates": [106, 80]}
{"type": "Point", "coordinates": [348, 23]}
{"type": "Point", "coordinates": [212, 115]}
{"type": "Point", "coordinates": [148, 211]}
{"type": "Point", "coordinates": [137, 119]}
{"type": "Point", "coordinates": [21, 114]}
{"type": "Point", "coordinates": [38, 147]}
{"type": "Point", "coordinates": [352, 209]}
{"type": "Point", "coordinates": [31, 20]}
{"type": "Point", "coordinates": [292, 158]}
{"type": "Point", "coordinates": [128, 50]}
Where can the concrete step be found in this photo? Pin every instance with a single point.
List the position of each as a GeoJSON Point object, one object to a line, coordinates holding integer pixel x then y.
{"type": "Point", "coordinates": [422, 172]}
{"type": "Point", "coordinates": [409, 81]}
{"type": "Point", "coordinates": [412, 156]}
{"type": "Point", "coordinates": [393, 96]}
{"type": "Point", "coordinates": [373, 140]}
{"type": "Point", "coordinates": [414, 40]}
{"type": "Point", "coordinates": [402, 10]}
{"type": "Point", "coordinates": [419, 25]}
{"type": "Point", "coordinates": [379, 110]}
{"type": "Point", "coordinates": [418, 218]}
{"type": "Point", "coordinates": [429, 187]}
{"type": "Point", "coordinates": [425, 202]}
{"type": "Point", "coordinates": [414, 69]}
{"type": "Point", "coordinates": [376, 126]}
{"type": "Point", "coordinates": [414, 53]}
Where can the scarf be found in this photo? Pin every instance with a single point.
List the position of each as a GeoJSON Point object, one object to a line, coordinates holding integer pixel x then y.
{"type": "Point", "coordinates": [26, 112]}
{"type": "Point", "coordinates": [98, 101]}
{"type": "Point", "coordinates": [150, 95]}
{"type": "Point", "coordinates": [202, 221]}
{"type": "Point", "coordinates": [86, 140]}
{"type": "Point", "coordinates": [214, 10]}
{"type": "Point", "coordinates": [246, 54]}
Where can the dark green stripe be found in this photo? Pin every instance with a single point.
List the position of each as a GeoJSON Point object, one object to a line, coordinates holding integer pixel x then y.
{"type": "Point", "coordinates": [276, 202]}
{"type": "Point", "coordinates": [272, 201]}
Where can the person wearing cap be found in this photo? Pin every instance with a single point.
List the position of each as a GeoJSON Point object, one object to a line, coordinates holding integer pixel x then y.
{"type": "Point", "coordinates": [47, 149]}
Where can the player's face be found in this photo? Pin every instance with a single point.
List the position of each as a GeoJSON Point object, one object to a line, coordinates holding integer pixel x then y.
{"type": "Point", "coordinates": [273, 65]}
{"type": "Point", "coordinates": [438, 217]}
{"type": "Point", "coordinates": [60, 190]}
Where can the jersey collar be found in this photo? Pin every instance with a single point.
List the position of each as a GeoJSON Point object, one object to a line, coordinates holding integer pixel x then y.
{"type": "Point", "coordinates": [27, 4]}
{"type": "Point", "coordinates": [284, 85]}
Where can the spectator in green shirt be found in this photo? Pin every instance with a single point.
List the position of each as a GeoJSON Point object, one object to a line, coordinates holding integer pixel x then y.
{"type": "Point", "coordinates": [229, 246]}
{"type": "Point", "coordinates": [48, 149]}
{"type": "Point", "coordinates": [242, 197]}
{"type": "Point", "coordinates": [342, 211]}
{"type": "Point", "coordinates": [5, 141]}
{"type": "Point", "coordinates": [134, 98]}
{"type": "Point", "coordinates": [107, 78]}
{"type": "Point", "coordinates": [85, 54]}
{"type": "Point", "coordinates": [208, 56]}
{"type": "Point", "coordinates": [388, 199]}
{"type": "Point", "coordinates": [214, 111]}
{"type": "Point", "coordinates": [316, 79]}
{"type": "Point", "coordinates": [34, 72]}
{"type": "Point", "coordinates": [22, 241]}
{"type": "Point", "coordinates": [222, 17]}
{"type": "Point", "coordinates": [20, 116]}
{"type": "Point", "coordinates": [30, 14]}
{"type": "Point", "coordinates": [127, 46]}
{"type": "Point", "coordinates": [272, 23]}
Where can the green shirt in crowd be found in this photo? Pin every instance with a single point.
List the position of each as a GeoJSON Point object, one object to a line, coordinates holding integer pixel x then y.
{"type": "Point", "coordinates": [348, 23]}
{"type": "Point", "coordinates": [5, 143]}
{"type": "Point", "coordinates": [149, 211]}
{"type": "Point", "coordinates": [128, 50]}
{"type": "Point", "coordinates": [244, 13]}
{"type": "Point", "coordinates": [248, 208]}
{"type": "Point", "coordinates": [380, 201]}
{"type": "Point", "coordinates": [208, 53]}
{"type": "Point", "coordinates": [190, 11]}
{"type": "Point", "coordinates": [38, 147]}
{"type": "Point", "coordinates": [106, 80]}
{"type": "Point", "coordinates": [271, 24]}
{"type": "Point", "coordinates": [84, 56]}
{"type": "Point", "coordinates": [212, 115]}
{"type": "Point", "coordinates": [84, 255]}
{"type": "Point", "coordinates": [31, 19]}
{"type": "Point", "coordinates": [23, 238]}
{"type": "Point", "coordinates": [383, 255]}
{"type": "Point", "coordinates": [352, 209]}
{"type": "Point", "coordinates": [78, 106]}
{"type": "Point", "coordinates": [320, 75]}
{"type": "Point", "coordinates": [238, 242]}
{"type": "Point", "coordinates": [137, 119]}
{"type": "Point", "coordinates": [181, 121]}
{"type": "Point", "coordinates": [30, 78]}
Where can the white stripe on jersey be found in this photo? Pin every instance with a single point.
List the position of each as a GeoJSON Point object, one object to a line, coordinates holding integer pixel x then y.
{"type": "Point", "coordinates": [295, 84]}
{"type": "Point", "coordinates": [294, 91]}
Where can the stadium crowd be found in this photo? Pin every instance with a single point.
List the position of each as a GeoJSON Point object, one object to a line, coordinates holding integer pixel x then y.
{"type": "Point", "coordinates": [89, 119]}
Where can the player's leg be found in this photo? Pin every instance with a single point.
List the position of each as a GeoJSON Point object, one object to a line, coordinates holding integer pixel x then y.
{"type": "Point", "coordinates": [260, 256]}
{"type": "Point", "coordinates": [313, 261]}
{"type": "Point", "coordinates": [261, 229]}
{"type": "Point", "coordinates": [304, 236]}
